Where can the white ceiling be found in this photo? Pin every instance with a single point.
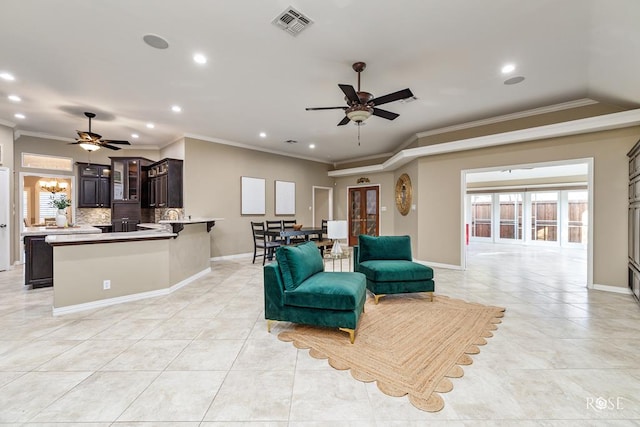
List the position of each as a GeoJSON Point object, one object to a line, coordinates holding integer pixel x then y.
{"type": "Point", "coordinates": [71, 56]}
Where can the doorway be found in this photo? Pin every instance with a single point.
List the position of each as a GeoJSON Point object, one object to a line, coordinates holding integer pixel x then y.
{"type": "Point", "coordinates": [546, 205]}
{"type": "Point", "coordinates": [36, 208]}
{"type": "Point", "coordinates": [322, 205]}
{"type": "Point", "coordinates": [364, 212]}
{"type": "Point", "coordinates": [5, 229]}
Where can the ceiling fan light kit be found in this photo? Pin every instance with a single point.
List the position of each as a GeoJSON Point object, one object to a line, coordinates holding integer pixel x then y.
{"type": "Point", "coordinates": [361, 105]}
{"type": "Point", "coordinates": [92, 141]}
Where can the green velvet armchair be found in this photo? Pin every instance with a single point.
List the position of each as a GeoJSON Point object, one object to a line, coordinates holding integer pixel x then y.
{"type": "Point", "coordinates": [298, 290]}
{"type": "Point", "coordinates": [386, 262]}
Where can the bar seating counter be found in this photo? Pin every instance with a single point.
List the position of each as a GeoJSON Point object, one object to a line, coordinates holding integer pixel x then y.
{"type": "Point", "coordinates": [96, 270]}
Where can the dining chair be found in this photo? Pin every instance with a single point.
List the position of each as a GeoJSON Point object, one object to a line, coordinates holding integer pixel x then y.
{"type": "Point", "coordinates": [260, 240]}
{"type": "Point", "coordinates": [275, 226]}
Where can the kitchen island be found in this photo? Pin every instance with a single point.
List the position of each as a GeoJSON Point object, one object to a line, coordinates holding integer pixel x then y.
{"type": "Point", "coordinates": [96, 270]}
{"type": "Point", "coordinates": [38, 267]}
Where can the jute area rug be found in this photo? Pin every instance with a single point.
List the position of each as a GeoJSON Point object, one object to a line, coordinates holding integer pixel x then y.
{"type": "Point", "coordinates": [407, 344]}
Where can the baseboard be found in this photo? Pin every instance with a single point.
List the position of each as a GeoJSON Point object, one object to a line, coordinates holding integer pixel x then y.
{"type": "Point", "coordinates": [609, 288]}
{"type": "Point", "coordinates": [189, 279]}
{"type": "Point", "coordinates": [439, 265]}
{"type": "Point", "coordinates": [232, 257]}
{"type": "Point", "coordinates": [128, 298]}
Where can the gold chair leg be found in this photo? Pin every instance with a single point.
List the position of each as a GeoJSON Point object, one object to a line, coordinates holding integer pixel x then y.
{"type": "Point", "coordinates": [351, 332]}
{"type": "Point", "coordinates": [377, 297]}
{"type": "Point", "coordinates": [431, 296]}
{"type": "Point", "coordinates": [269, 323]}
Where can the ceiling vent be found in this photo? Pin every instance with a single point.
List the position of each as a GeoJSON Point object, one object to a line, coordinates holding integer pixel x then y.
{"type": "Point", "coordinates": [292, 21]}
{"type": "Point", "coordinates": [291, 141]}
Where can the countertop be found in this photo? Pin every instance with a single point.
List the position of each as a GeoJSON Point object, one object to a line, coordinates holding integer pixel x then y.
{"type": "Point", "coordinates": [74, 239]}
{"type": "Point", "coordinates": [45, 231]}
{"type": "Point", "coordinates": [188, 220]}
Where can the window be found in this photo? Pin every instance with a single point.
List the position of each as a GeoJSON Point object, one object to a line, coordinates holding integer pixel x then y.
{"type": "Point", "coordinates": [578, 202]}
{"type": "Point", "coordinates": [47, 210]}
{"type": "Point", "coordinates": [481, 207]}
{"type": "Point", "coordinates": [544, 216]}
{"type": "Point", "coordinates": [510, 216]}
{"type": "Point", "coordinates": [40, 161]}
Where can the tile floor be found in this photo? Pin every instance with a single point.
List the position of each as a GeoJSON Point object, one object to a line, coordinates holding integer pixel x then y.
{"type": "Point", "coordinates": [202, 357]}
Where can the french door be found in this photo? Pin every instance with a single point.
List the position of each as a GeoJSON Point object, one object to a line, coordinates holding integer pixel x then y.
{"type": "Point", "coordinates": [364, 216]}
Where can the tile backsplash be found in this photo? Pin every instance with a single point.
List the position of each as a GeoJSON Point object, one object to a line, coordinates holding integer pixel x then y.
{"type": "Point", "coordinates": [91, 216]}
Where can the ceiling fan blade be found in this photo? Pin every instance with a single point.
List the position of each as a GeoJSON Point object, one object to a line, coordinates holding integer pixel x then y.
{"type": "Point", "coordinates": [384, 114]}
{"type": "Point", "coordinates": [395, 96]}
{"type": "Point", "coordinates": [111, 147]}
{"type": "Point", "coordinates": [115, 141]}
{"type": "Point", "coordinates": [88, 136]}
{"type": "Point", "coordinates": [344, 121]}
{"type": "Point", "coordinates": [350, 93]}
{"type": "Point", "coordinates": [325, 108]}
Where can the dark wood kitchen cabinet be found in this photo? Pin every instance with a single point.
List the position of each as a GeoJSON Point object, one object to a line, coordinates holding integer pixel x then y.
{"type": "Point", "coordinates": [129, 184]}
{"type": "Point", "coordinates": [38, 269]}
{"type": "Point", "coordinates": [164, 184]}
{"type": "Point", "coordinates": [94, 186]}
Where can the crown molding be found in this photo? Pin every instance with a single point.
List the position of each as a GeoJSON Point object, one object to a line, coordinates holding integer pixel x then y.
{"type": "Point", "coordinates": [574, 127]}
{"type": "Point", "coordinates": [7, 123]}
{"type": "Point", "coordinates": [20, 133]}
{"type": "Point", "coordinates": [253, 148]}
{"type": "Point", "coordinates": [363, 159]}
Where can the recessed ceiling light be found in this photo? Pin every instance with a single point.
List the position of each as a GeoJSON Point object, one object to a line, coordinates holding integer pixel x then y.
{"type": "Point", "coordinates": [19, 116]}
{"type": "Point", "coordinates": [200, 58]}
{"type": "Point", "coordinates": [7, 76]}
{"type": "Point", "coordinates": [150, 125]}
{"type": "Point", "coordinates": [263, 135]}
{"type": "Point", "coordinates": [508, 68]}
{"type": "Point", "coordinates": [312, 146]}
{"type": "Point", "coordinates": [14, 98]}
{"type": "Point", "coordinates": [156, 41]}
{"type": "Point", "coordinates": [514, 80]}
{"type": "Point", "coordinates": [176, 108]}
{"type": "Point", "coordinates": [135, 136]}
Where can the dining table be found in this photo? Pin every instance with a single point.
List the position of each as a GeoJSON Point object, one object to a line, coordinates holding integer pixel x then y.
{"type": "Point", "coordinates": [288, 233]}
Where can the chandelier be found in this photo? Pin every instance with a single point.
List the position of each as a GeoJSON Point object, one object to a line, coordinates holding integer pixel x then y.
{"type": "Point", "coordinates": [53, 186]}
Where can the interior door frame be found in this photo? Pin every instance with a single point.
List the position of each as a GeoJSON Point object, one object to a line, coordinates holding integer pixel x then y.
{"type": "Point", "coordinates": [329, 216]}
{"type": "Point", "coordinates": [73, 191]}
{"type": "Point", "coordinates": [5, 247]}
{"type": "Point", "coordinates": [379, 190]}
{"type": "Point", "coordinates": [464, 203]}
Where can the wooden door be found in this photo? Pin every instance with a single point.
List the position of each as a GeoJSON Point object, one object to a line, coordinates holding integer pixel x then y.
{"type": "Point", "coordinates": [364, 216]}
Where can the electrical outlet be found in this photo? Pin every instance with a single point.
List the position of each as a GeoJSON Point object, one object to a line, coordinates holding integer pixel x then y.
{"type": "Point", "coordinates": [106, 284]}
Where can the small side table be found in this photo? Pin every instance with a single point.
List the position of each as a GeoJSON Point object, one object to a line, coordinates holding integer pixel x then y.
{"type": "Point", "coordinates": [346, 254]}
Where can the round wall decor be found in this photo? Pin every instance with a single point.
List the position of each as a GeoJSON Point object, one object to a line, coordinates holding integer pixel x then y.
{"type": "Point", "coordinates": [404, 194]}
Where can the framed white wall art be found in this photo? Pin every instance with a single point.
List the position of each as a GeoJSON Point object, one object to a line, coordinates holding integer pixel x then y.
{"type": "Point", "coordinates": [285, 198]}
{"type": "Point", "coordinates": [253, 196]}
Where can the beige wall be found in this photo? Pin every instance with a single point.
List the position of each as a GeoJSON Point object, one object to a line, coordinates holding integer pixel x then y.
{"type": "Point", "coordinates": [132, 267]}
{"type": "Point", "coordinates": [440, 187]}
{"type": "Point", "coordinates": [212, 174]}
{"type": "Point", "coordinates": [189, 253]}
{"type": "Point", "coordinates": [6, 140]}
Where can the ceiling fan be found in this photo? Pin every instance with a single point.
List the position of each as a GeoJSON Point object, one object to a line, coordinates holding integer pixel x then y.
{"type": "Point", "coordinates": [92, 141]}
{"type": "Point", "coordinates": [361, 105]}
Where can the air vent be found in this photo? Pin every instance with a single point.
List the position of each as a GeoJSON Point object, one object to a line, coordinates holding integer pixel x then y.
{"type": "Point", "coordinates": [291, 141]}
{"type": "Point", "coordinates": [292, 21]}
